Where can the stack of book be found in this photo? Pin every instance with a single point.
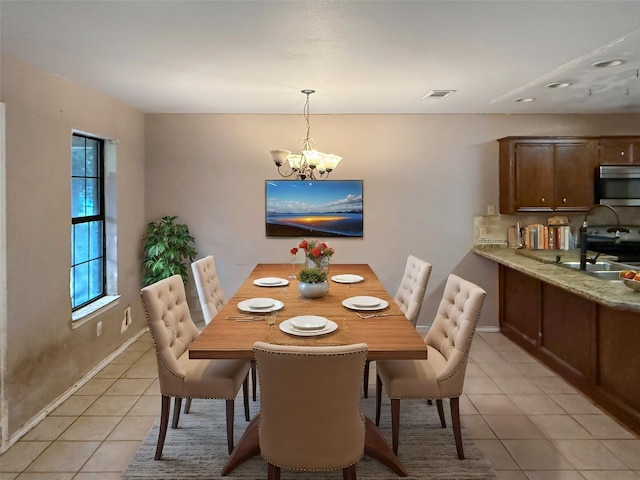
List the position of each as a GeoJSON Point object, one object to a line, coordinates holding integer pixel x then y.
{"type": "Point", "coordinates": [548, 237]}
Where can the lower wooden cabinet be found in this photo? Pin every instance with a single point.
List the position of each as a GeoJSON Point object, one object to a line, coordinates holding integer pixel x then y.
{"type": "Point", "coordinates": [592, 346]}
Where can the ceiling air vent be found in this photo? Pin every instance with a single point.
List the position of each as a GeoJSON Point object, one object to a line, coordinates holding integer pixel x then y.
{"type": "Point", "coordinates": [439, 93]}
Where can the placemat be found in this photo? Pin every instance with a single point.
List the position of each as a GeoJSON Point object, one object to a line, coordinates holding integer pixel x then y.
{"type": "Point", "coordinates": [339, 337]}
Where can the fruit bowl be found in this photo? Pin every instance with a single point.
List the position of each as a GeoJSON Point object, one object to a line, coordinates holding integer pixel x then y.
{"type": "Point", "coordinates": [632, 284]}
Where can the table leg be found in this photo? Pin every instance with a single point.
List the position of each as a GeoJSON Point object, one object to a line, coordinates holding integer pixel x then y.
{"type": "Point", "coordinates": [375, 446]}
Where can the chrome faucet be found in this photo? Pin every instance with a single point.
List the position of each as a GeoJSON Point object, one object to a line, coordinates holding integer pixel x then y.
{"type": "Point", "coordinates": [584, 236]}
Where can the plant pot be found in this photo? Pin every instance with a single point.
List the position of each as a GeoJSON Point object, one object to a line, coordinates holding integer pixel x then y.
{"type": "Point", "coordinates": [313, 290]}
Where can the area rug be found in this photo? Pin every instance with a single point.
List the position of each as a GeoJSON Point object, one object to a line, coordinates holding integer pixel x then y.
{"type": "Point", "coordinates": [198, 448]}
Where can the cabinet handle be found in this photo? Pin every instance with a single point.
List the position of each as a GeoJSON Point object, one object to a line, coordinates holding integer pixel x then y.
{"type": "Point", "coordinates": [622, 154]}
{"type": "Point", "coordinates": [564, 200]}
{"type": "Point", "coordinates": [543, 200]}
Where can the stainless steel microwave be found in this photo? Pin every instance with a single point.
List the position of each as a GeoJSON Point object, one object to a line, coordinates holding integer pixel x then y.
{"type": "Point", "coordinates": [618, 185]}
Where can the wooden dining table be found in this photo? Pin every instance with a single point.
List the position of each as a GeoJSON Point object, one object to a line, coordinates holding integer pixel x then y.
{"type": "Point", "coordinates": [233, 331]}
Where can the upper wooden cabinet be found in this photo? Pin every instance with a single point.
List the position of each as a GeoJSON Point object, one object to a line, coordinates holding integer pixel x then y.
{"type": "Point", "coordinates": [544, 174]}
{"type": "Point", "coordinates": [619, 150]}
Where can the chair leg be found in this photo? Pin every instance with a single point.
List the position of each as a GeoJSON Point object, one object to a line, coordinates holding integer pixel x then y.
{"type": "Point", "coordinates": [230, 405]}
{"type": "Point", "coordinates": [187, 405]}
{"type": "Point", "coordinates": [245, 397]}
{"type": "Point", "coordinates": [349, 473]}
{"type": "Point", "coordinates": [378, 398]}
{"type": "Point", "coordinates": [441, 412]}
{"type": "Point", "coordinates": [164, 421]}
{"type": "Point", "coordinates": [395, 423]}
{"type": "Point", "coordinates": [365, 380]}
{"type": "Point", "coordinates": [177, 404]}
{"type": "Point", "coordinates": [273, 472]}
{"type": "Point", "coordinates": [454, 403]}
{"type": "Point", "coordinates": [254, 380]}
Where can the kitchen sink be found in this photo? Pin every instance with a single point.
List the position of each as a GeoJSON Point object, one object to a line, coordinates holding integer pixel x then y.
{"type": "Point", "coordinates": [603, 270]}
{"type": "Point", "coordinates": [598, 266]}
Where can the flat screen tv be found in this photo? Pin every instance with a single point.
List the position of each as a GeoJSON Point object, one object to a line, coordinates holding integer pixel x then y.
{"type": "Point", "coordinates": [327, 208]}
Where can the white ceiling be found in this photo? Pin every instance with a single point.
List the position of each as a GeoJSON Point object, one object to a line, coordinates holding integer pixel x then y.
{"type": "Point", "coordinates": [360, 56]}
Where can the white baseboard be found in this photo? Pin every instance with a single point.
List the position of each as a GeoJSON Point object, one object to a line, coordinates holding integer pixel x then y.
{"type": "Point", "coordinates": [58, 401]}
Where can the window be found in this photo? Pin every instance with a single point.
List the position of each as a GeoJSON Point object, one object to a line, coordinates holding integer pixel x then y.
{"type": "Point", "coordinates": [88, 245]}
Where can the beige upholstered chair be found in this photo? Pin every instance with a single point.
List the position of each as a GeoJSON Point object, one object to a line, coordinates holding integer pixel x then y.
{"type": "Point", "coordinates": [409, 297]}
{"type": "Point", "coordinates": [172, 329]}
{"type": "Point", "coordinates": [212, 298]}
{"type": "Point", "coordinates": [310, 417]}
{"type": "Point", "coordinates": [210, 291]}
{"type": "Point", "coordinates": [442, 374]}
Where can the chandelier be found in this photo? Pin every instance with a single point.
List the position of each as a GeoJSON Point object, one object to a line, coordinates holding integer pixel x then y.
{"type": "Point", "coordinates": [310, 164]}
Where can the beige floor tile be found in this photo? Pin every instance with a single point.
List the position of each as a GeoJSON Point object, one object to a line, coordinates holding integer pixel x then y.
{"type": "Point", "coordinates": [20, 455]}
{"type": "Point", "coordinates": [147, 405]}
{"type": "Point", "coordinates": [477, 427]}
{"type": "Point", "coordinates": [500, 370]}
{"type": "Point", "coordinates": [474, 370]}
{"type": "Point", "coordinates": [113, 370]}
{"type": "Point", "coordinates": [517, 386]}
{"type": "Point", "coordinates": [132, 428]}
{"type": "Point", "coordinates": [589, 455]}
{"type": "Point", "coordinates": [63, 457]}
{"type": "Point", "coordinates": [9, 475]}
{"type": "Point", "coordinates": [610, 475]}
{"type": "Point", "coordinates": [560, 427]}
{"type": "Point", "coordinates": [519, 356]}
{"type": "Point", "coordinates": [480, 385]}
{"type": "Point", "coordinates": [512, 426]}
{"type": "Point", "coordinates": [485, 355]}
{"type": "Point", "coordinates": [554, 475]}
{"type": "Point", "coordinates": [604, 427]}
{"type": "Point", "coordinates": [49, 428]}
{"type": "Point", "coordinates": [510, 475]}
{"type": "Point", "coordinates": [627, 450]}
{"type": "Point", "coordinates": [74, 405]}
{"type": "Point", "coordinates": [98, 476]}
{"type": "Point", "coordinates": [144, 343]}
{"type": "Point", "coordinates": [46, 476]}
{"type": "Point", "coordinates": [129, 386]}
{"type": "Point", "coordinates": [494, 404]}
{"type": "Point", "coordinates": [142, 370]}
{"type": "Point", "coordinates": [88, 428]}
{"type": "Point", "coordinates": [154, 388]}
{"type": "Point", "coordinates": [112, 405]}
{"type": "Point", "coordinates": [128, 357]}
{"type": "Point", "coordinates": [499, 457]}
{"type": "Point", "coordinates": [499, 342]}
{"type": "Point", "coordinates": [466, 407]}
{"type": "Point", "coordinates": [536, 404]}
{"type": "Point", "coordinates": [111, 457]}
{"type": "Point", "coordinates": [533, 370]}
{"type": "Point", "coordinates": [553, 385]}
{"type": "Point", "coordinates": [95, 386]}
{"type": "Point", "coordinates": [575, 404]}
{"type": "Point", "coordinates": [149, 357]}
{"type": "Point", "coordinates": [537, 455]}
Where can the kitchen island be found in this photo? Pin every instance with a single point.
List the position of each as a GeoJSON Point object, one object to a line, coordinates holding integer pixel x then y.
{"type": "Point", "coordinates": [585, 329]}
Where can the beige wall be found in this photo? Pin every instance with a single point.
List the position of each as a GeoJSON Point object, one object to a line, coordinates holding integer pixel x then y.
{"type": "Point", "coordinates": [45, 356]}
{"type": "Point", "coordinates": [425, 177]}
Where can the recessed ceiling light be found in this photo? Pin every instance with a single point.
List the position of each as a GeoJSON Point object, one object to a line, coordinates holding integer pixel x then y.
{"type": "Point", "coordinates": [558, 85]}
{"type": "Point", "coordinates": [524, 100]}
{"type": "Point", "coordinates": [608, 63]}
{"type": "Point", "coordinates": [439, 94]}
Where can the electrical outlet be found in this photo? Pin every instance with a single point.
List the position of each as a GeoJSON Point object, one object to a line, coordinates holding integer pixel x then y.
{"type": "Point", "coordinates": [194, 292]}
{"type": "Point", "coordinates": [491, 209]}
{"type": "Point", "coordinates": [99, 329]}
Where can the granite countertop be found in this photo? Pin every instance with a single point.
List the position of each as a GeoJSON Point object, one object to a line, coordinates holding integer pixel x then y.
{"type": "Point", "coordinates": [541, 264]}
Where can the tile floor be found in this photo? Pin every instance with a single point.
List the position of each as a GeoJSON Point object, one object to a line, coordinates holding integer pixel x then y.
{"type": "Point", "coordinates": [529, 422]}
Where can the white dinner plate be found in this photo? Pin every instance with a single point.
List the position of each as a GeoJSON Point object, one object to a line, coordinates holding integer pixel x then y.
{"type": "Point", "coordinates": [246, 306]}
{"type": "Point", "coordinates": [365, 303]}
{"type": "Point", "coordinates": [286, 327]}
{"type": "Point", "coordinates": [271, 282]}
{"type": "Point", "coordinates": [308, 322]}
{"type": "Point", "coordinates": [347, 278]}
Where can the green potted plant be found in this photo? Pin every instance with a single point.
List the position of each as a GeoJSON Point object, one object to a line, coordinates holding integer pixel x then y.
{"type": "Point", "coordinates": [312, 282]}
{"type": "Point", "coordinates": [168, 247]}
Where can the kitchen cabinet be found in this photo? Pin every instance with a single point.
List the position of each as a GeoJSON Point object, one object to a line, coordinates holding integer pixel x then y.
{"type": "Point", "coordinates": [593, 346]}
{"type": "Point", "coordinates": [545, 174]}
{"type": "Point", "coordinates": [619, 151]}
